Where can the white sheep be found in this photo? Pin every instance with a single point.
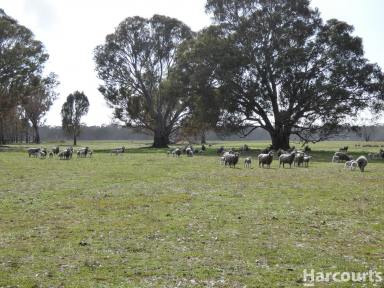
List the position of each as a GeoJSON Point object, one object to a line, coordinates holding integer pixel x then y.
{"type": "Point", "coordinates": [299, 158]}
{"type": "Point", "coordinates": [189, 151]}
{"type": "Point", "coordinates": [231, 159]}
{"type": "Point", "coordinates": [335, 158]}
{"type": "Point", "coordinates": [362, 162]}
{"type": "Point", "coordinates": [307, 158]}
{"type": "Point", "coordinates": [118, 151]}
{"type": "Point", "coordinates": [265, 159]}
{"type": "Point", "coordinates": [176, 152]}
{"type": "Point", "coordinates": [287, 159]}
{"type": "Point", "coordinates": [351, 165]}
{"type": "Point", "coordinates": [247, 162]}
{"type": "Point", "coordinates": [34, 152]}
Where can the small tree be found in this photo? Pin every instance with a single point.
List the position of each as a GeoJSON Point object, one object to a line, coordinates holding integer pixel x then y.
{"type": "Point", "coordinates": [37, 99]}
{"type": "Point", "coordinates": [73, 109]}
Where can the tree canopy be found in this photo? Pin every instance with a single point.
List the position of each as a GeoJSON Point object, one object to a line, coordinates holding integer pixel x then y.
{"type": "Point", "coordinates": [22, 58]}
{"type": "Point", "coordinates": [288, 72]}
{"type": "Point", "coordinates": [37, 97]}
{"type": "Point", "coordinates": [135, 64]}
{"type": "Point", "coordinates": [75, 107]}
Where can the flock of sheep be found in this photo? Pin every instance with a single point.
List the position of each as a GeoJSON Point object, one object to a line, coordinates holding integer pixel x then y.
{"type": "Point", "coordinates": [227, 158]}
{"type": "Point", "coordinates": [265, 158]}
{"type": "Point", "coordinates": [67, 153]}
{"type": "Point", "coordinates": [341, 156]}
{"type": "Point", "coordinates": [297, 158]}
{"type": "Point", "coordinates": [188, 150]}
{"type": "Point", "coordinates": [64, 154]}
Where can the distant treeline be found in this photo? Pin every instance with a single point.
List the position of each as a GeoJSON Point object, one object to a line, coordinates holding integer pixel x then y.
{"type": "Point", "coordinates": [114, 132]}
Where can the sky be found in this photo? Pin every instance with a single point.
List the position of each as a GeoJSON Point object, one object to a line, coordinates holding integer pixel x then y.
{"type": "Point", "coordinates": [71, 29]}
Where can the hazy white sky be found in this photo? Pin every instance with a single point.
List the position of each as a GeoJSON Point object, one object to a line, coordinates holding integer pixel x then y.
{"type": "Point", "coordinates": [71, 29]}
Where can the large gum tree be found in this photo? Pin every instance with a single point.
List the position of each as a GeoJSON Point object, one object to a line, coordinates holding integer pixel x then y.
{"type": "Point", "coordinates": [135, 65]}
{"type": "Point", "coordinates": [22, 57]}
{"type": "Point", "coordinates": [288, 72]}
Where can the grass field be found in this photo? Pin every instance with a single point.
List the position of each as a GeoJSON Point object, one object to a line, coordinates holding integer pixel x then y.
{"type": "Point", "coordinates": [143, 219]}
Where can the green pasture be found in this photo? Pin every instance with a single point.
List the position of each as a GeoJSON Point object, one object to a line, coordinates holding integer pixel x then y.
{"type": "Point", "coordinates": [145, 219]}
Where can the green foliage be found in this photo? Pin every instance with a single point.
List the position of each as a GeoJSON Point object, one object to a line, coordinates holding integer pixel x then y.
{"type": "Point", "coordinates": [290, 73]}
{"type": "Point", "coordinates": [195, 69]}
{"type": "Point", "coordinates": [21, 58]}
{"type": "Point", "coordinates": [135, 64]}
{"type": "Point", "coordinates": [37, 98]}
{"type": "Point", "coordinates": [73, 109]}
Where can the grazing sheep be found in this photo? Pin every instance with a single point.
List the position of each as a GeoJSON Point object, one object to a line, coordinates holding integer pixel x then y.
{"type": "Point", "coordinates": [118, 151]}
{"type": "Point", "coordinates": [379, 155]}
{"type": "Point", "coordinates": [335, 159]}
{"type": "Point", "coordinates": [265, 159]}
{"type": "Point", "coordinates": [362, 162]}
{"type": "Point", "coordinates": [56, 150]}
{"type": "Point", "coordinates": [187, 148]}
{"type": "Point", "coordinates": [299, 159]}
{"type": "Point", "coordinates": [82, 152]}
{"type": "Point", "coordinates": [43, 154]}
{"type": "Point", "coordinates": [231, 159]}
{"type": "Point", "coordinates": [176, 152]}
{"type": "Point", "coordinates": [374, 156]}
{"type": "Point", "coordinates": [222, 160]}
{"type": "Point", "coordinates": [220, 150]}
{"type": "Point", "coordinates": [90, 153]}
{"type": "Point", "coordinates": [307, 158]}
{"type": "Point", "coordinates": [248, 162]}
{"type": "Point", "coordinates": [70, 151]}
{"type": "Point", "coordinates": [189, 151]}
{"type": "Point", "coordinates": [51, 154]}
{"type": "Point", "coordinates": [351, 165]}
{"type": "Point", "coordinates": [287, 159]}
{"type": "Point", "coordinates": [33, 151]}
{"type": "Point", "coordinates": [343, 157]}
{"type": "Point", "coordinates": [280, 152]}
{"type": "Point", "coordinates": [65, 154]}
{"type": "Point", "coordinates": [230, 152]}
{"type": "Point", "coordinates": [61, 154]}
{"type": "Point", "coordinates": [344, 149]}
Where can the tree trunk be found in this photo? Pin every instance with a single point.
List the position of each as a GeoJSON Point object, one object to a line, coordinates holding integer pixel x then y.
{"type": "Point", "coordinates": [2, 140]}
{"type": "Point", "coordinates": [280, 138]}
{"type": "Point", "coordinates": [161, 139]}
{"type": "Point", "coordinates": [36, 140]}
{"type": "Point", "coordinates": [74, 139]}
{"type": "Point", "coordinates": [203, 137]}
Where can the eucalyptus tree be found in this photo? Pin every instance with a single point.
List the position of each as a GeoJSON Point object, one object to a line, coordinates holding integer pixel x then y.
{"type": "Point", "coordinates": [135, 64]}
{"type": "Point", "coordinates": [75, 107]}
{"type": "Point", "coordinates": [290, 73]}
{"type": "Point", "coordinates": [21, 57]}
{"type": "Point", "coordinates": [36, 100]}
